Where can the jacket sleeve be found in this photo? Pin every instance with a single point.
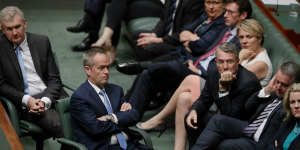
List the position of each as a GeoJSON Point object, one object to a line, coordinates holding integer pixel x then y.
{"type": "Point", "coordinates": [50, 74]}
{"type": "Point", "coordinates": [129, 117]}
{"type": "Point", "coordinates": [201, 46]}
{"type": "Point", "coordinates": [190, 12]}
{"type": "Point", "coordinates": [86, 118]}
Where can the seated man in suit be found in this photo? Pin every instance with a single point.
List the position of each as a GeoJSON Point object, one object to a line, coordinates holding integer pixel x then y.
{"type": "Point", "coordinates": [172, 73]}
{"type": "Point", "coordinates": [228, 133]}
{"type": "Point", "coordinates": [165, 36]}
{"type": "Point", "coordinates": [228, 85]}
{"type": "Point", "coordinates": [29, 76]}
{"type": "Point", "coordinates": [100, 114]}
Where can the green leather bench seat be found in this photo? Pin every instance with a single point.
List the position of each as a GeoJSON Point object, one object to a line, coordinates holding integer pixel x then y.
{"type": "Point", "coordinates": [278, 47]}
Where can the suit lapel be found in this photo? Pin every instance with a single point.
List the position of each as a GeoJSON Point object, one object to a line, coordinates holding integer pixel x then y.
{"type": "Point", "coordinates": [34, 54]}
{"type": "Point", "coordinates": [95, 99]}
{"type": "Point", "coordinates": [13, 57]}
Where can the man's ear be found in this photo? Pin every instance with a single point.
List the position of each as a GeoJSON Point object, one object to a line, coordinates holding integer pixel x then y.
{"type": "Point", "coordinates": [243, 16]}
{"type": "Point", "coordinates": [87, 70]}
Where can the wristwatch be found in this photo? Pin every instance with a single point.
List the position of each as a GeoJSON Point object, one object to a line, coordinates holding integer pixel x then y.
{"type": "Point", "coordinates": [109, 117]}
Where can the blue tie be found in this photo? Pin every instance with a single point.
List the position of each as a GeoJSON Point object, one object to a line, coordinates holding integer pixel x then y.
{"type": "Point", "coordinates": [170, 16]}
{"type": "Point", "coordinates": [253, 126]}
{"type": "Point", "coordinates": [21, 64]}
{"type": "Point", "coordinates": [120, 136]}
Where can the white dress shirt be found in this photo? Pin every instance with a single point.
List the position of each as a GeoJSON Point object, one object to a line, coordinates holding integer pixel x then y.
{"type": "Point", "coordinates": [35, 83]}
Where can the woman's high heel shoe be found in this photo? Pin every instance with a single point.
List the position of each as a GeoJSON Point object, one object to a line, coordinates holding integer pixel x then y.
{"type": "Point", "coordinates": [161, 129]}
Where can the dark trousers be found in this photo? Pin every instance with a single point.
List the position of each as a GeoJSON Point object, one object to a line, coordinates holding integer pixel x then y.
{"type": "Point", "coordinates": [49, 121]}
{"type": "Point", "coordinates": [117, 11]}
{"type": "Point", "coordinates": [225, 133]}
{"type": "Point", "coordinates": [159, 77]}
{"type": "Point", "coordinates": [152, 51]}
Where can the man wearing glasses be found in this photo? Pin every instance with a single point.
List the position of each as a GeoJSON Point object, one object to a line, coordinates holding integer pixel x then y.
{"type": "Point", "coordinates": [228, 85]}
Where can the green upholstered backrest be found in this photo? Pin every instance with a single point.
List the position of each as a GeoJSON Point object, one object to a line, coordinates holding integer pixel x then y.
{"type": "Point", "coordinates": [140, 24]}
{"type": "Point", "coordinates": [63, 109]}
{"type": "Point", "coordinates": [12, 113]}
{"type": "Point", "coordinates": [278, 47]}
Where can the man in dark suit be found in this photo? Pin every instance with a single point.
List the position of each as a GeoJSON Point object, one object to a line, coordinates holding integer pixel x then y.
{"type": "Point", "coordinates": [172, 73]}
{"type": "Point", "coordinates": [99, 112]}
{"type": "Point", "coordinates": [165, 35]}
{"type": "Point", "coordinates": [228, 85]}
{"type": "Point", "coordinates": [29, 76]}
{"type": "Point", "coordinates": [228, 133]}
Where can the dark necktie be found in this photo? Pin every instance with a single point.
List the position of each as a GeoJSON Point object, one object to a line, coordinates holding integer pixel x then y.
{"type": "Point", "coordinates": [21, 64]}
{"type": "Point", "coordinates": [171, 16]}
{"type": "Point", "coordinates": [120, 136]}
{"type": "Point", "coordinates": [252, 127]}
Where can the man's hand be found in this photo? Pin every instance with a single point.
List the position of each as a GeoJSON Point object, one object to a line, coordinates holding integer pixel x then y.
{"type": "Point", "coordinates": [191, 120]}
{"type": "Point", "coordinates": [103, 118]}
{"type": "Point", "coordinates": [186, 46]}
{"type": "Point", "coordinates": [125, 106]}
{"type": "Point", "coordinates": [188, 36]}
{"type": "Point", "coordinates": [35, 105]}
{"type": "Point", "coordinates": [141, 35]}
{"type": "Point", "coordinates": [144, 41]}
{"type": "Point", "coordinates": [42, 106]}
{"type": "Point", "coordinates": [192, 67]}
{"type": "Point", "coordinates": [225, 81]}
{"type": "Point", "coordinates": [271, 87]}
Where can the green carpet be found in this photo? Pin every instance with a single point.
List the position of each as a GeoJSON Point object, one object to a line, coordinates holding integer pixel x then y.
{"type": "Point", "coordinates": [51, 17]}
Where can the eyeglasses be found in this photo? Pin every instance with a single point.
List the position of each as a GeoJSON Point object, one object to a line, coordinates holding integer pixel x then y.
{"type": "Point", "coordinates": [230, 12]}
{"type": "Point", "coordinates": [222, 62]}
{"type": "Point", "coordinates": [214, 3]}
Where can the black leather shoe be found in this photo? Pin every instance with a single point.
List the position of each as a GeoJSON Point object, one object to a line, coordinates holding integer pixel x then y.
{"type": "Point", "coordinates": [84, 45]}
{"type": "Point", "coordinates": [79, 27]}
{"type": "Point", "coordinates": [130, 68]}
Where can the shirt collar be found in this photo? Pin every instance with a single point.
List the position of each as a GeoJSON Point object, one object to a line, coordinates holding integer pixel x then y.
{"type": "Point", "coordinates": [233, 31]}
{"type": "Point", "coordinates": [23, 45]}
{"type": "Point", "coordinates": [95, 87]}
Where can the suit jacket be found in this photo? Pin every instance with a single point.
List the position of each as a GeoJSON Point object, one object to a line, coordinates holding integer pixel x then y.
{"type": "Point", "coordinates": [274, 121]}
{"type": "Point", "coordinates": [234, 104]}
{"type": "Point", "coordinates": [187, 11]}
{"type": "Point", "coordinates": [284, 130]}
{"type": "Point", "coordinates": [208, 33]}
{"type": "Point", "coordinates": [11, 80]}
{"type": "Point", "coordinates": [86, 107]}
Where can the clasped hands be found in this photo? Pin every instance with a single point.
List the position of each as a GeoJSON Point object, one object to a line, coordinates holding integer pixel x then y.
{"type": "Point", "coordinates": [36, 106]}
{"type": "Point", "coordinates": [125, 107]}
{"type": "Point", "coordinates": [186, 37]}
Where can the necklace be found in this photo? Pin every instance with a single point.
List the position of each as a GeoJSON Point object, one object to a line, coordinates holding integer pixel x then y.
{"type": "Point", "coordinates": [296, 128]}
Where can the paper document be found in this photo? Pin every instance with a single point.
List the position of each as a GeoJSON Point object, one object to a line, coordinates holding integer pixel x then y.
{"type": "Point", "coordinates": [280, 2]}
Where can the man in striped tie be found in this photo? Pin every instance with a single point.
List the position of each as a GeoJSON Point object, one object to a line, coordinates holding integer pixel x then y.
{"type": "Point", "coordinates": [100, 114]}
{"type": "Point", "coordinates": [227, 133]}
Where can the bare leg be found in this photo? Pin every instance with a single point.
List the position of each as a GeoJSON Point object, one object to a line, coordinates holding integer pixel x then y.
{"type": "Point", "coordinates": [190, 84]}
{"type": "Point", "coordinates": [105, 39]}
{"type": "Point", "coordinates": [184, 104]}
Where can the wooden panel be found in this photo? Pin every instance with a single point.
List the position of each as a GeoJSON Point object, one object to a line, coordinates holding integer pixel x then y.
{"type": "Point", "coordinates": [8, 130]}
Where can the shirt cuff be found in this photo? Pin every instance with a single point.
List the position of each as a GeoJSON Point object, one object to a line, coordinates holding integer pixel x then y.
{"type": "Point", "coordinates": [223, 94]}
{"type": "Point", "coordinates": [262, 93]}
{"type": "Point", "coordinates": [47, 102]}
{"type": "Point", "coordinates": [115, 118]}
{"type": "Point", "coordinates": [25, 99]}
{"type": "Point", "coordinates": [199, 72]}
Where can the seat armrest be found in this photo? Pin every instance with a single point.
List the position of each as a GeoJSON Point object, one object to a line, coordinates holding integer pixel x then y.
{"type": "Point", "coordinates": [30, 128]}
{"type": "Point", "coordinates": [145, 135]}
{"type": "Point", "coordinates": [68, 142]}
